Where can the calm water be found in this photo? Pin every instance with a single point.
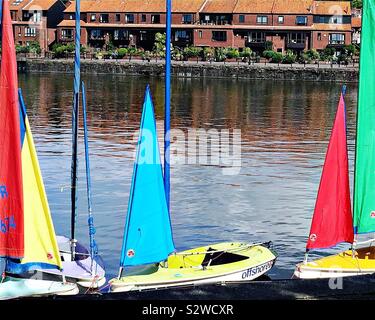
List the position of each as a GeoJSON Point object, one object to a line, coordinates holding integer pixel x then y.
{"type": "Point", "coordinates": [285, 130]}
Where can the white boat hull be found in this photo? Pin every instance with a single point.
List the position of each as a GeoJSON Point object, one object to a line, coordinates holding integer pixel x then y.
{"type": "Point", "coordinates": [243, 275]}
{"type": "Point", "coordinates": [327, 274]}
{"type": "Point", "coordinates": [15, 288]}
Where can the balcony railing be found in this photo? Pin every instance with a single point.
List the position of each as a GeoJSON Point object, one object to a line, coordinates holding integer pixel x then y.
{"type": "Point", "coordinates": [296, 45]}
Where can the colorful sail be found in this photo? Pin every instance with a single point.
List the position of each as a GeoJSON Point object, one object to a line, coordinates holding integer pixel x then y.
{"type": "Point", "coordinates": [11, 195]}
{"type": "Point", "coordinates": [41, 249]}
{"type": "Point", "coordinates": [332, 222]}
{"type": "Point", "coordinates": [364, 179]}
{"type": "Point", "coordinates": [148, 232]}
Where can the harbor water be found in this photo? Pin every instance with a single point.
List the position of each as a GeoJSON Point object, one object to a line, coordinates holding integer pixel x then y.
{"type": "Point", "coordinates": [284, 126]}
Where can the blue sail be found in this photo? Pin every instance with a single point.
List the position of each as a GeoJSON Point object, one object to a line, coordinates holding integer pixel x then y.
{"type": "Point", "coordinates": [148, 231]}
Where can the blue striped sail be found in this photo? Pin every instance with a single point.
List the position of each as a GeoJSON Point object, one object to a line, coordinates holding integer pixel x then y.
{"type": "Point", "coordinates": [148, 232]}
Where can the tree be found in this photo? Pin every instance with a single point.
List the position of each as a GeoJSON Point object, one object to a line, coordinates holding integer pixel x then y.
{"type": "Point", "coordinates": [357, 4]}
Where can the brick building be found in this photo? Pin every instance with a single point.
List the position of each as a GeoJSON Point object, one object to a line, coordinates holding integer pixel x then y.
{"type": "Point", "coordinates": [36, 20]}
{"type": "Point", "coordinates": [288, 24]}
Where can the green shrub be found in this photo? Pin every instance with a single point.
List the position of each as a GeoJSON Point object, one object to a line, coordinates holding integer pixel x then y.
{"type": "Point", "coordinates": [277, 57]}
{"type": "Point", "coordinates": [220, 54]}
{"type": "Point", "coordinates": [122, 52]}
{"type": "Point", "coordinates": [289, 58]}
{"type": "Point", "coordinates": [232, 53]}
{"type": "Point", "coordinates": [268, 54]}
{"type": "Point", "coordinates": [208, 53]}
{"type": "Point", "coordinates": [246, 53]}
{"type": "Point", "coordinates": [192, 52]}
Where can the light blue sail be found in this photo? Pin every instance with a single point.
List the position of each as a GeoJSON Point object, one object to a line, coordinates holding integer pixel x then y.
{"type": "Point", "coordinates": [148, 232]}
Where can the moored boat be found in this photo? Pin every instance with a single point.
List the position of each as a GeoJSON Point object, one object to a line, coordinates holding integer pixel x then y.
{"type": "Point", "coordinates": [333, 222]}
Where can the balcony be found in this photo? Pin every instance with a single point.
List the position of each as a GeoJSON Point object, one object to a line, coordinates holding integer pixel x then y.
{"type": "Point", "coordinates": [296, 45]}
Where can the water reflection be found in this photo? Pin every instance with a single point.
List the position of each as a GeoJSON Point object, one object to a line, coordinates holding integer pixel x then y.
{"type": "Point", "coordinates": [285, 129]}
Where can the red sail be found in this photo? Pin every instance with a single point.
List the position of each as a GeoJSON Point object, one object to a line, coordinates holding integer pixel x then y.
{"type": "Point", "coordinates": [332, 222]}
{"type": "Point", "coordinates": [11, 193]}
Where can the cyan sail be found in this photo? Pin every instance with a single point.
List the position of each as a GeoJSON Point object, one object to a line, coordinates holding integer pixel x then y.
{"type": "Point", "coordinates": [148, 232]}
{"type": "Point", "coordinates": [40, 245]}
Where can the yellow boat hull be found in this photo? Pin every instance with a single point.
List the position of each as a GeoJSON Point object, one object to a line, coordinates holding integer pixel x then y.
{"type": "Point", "coordinates": [225, 262]}
{"type": "Point", "coordinates": [344, 264]}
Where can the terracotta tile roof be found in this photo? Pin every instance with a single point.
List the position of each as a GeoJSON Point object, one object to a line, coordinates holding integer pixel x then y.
{"type": "Point", "coordinates": [356, 22]}
{"type": "Point", "coordinates": [332, 7]}
{"type": "Point", "coordinates": [293, 6]}
{"type": "Point", "coordinates": [70, 23]}
{"type": "Point", "coordinates": [17, 4]}
{"type": "Point", "coordinates": [253, 6]}
{"type": "Point", "coordinates": [85, 6]}
{"type": "Point", "coordinates": [332, 27]}
{"type": "Point", "coordinates": [137, 6]}
{"type": "Point", "coordinates": [219, 6]}
{"type": "Point", "coordinates": [42, 4]}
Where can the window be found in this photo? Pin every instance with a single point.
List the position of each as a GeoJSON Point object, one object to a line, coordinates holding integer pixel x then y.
{"type": "Point", "coordinates": [336, 20]}
{"type": "Point", "coordinates": [120, 34]}
{"type": "Point", "coordinates": [37, 16]}
{"type": "Point", "coordinates": [143, 18]}
{"type": "Point", "coordinates": [280, 19]}
{"type": "Point", "coordinates": [319, 36]}
{"type": "Point", "coordinates": [104, 18]}
{"type": "Point", "coordinates": [337, 38]}
{"type": "Point", "coordinates": [262, 19]}
{"type": "Point", "coordinates": [129, 18]}
{"type": "Point", "coordinates": [67, 34]}
{"type": "Point", "coordinates": [181, 35]}
{"type": "Point", "coordinates": [187, 18]}
{"type": "Point", "coordinates": [155, 18]}
{"type": "Point", "coordinates": [241, 18]}
{"type": "Point", "coordinates": [200, 34]}
{"type": "Point", "coordinates": [301, 20]}
{"type": "Point", "coordinates": [25, 15]}
{"type": "Point", "coordinates": [297, 37]}
{"type": "Point", "coordinates": [30, 32]}
{"type": "Point", "coordinates": [219, 36]}
{"type": "Point", "coordinates": [257, 37]}
{"type": "Point", "coordinates": [118, 17]}
{"type": "Point", "coordinates": [93, 17]}
{"type": "Point", "coordinates": [97, 34]}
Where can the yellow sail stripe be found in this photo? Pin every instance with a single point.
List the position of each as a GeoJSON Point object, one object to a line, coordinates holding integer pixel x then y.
{"type": "Point", "coordinates": [40, 238]}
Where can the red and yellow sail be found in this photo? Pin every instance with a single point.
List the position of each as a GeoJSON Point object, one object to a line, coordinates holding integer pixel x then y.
{"type": "Point", "coordinates": [332, 222]}
{"type": "Point", "coordinates": [29, 240]}
{"type": "Point", "coordinates": [11, 193]}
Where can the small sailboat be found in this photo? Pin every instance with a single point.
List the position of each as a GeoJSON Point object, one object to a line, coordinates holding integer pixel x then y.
{"type": "Point", "coordinates": [333, 222]}
{"type": "Point", "coordinates": [80, 265]}
{"type": "Point", "coordinates": [27, 236]}
{"type": "Point", "coordinates": [148, 238]}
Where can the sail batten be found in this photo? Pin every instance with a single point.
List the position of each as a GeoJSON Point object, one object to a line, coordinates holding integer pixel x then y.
{"type": "Point", "coordinates": [364, 177]}
{"type": "Point", "coordinates": [148, 232]}
{"type": "Point", "coordinates": [332, 221]}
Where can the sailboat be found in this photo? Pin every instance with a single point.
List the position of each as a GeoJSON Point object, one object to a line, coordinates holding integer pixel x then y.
{"type": "Point", "coordinates": [81, 265]}
{"type": "Point", "coordinates": [148, 237]}
{"type": "Point", "coordinates": [78, 264]}
{"type": "Point", "coordinates": [333, 222]}
{"type": "Point", "coordinates": [27, 236]}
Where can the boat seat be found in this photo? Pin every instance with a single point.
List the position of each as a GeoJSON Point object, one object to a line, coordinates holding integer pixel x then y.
{"type": "Point", "coordinates": [221, 257]}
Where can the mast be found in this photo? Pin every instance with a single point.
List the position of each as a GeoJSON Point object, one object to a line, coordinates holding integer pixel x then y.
{"type": "Point", "coordinates": [75, 116]}
{"type": "Point", "coordinates": [167, 111]}
{"type": "Point", "coordinates": [93, 246]}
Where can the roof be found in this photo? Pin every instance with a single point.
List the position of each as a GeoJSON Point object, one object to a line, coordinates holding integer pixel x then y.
{"type": "Point", "coordinates": [293, 6]}
{"type": "Point", "coordinates": [40, 4]}
{"type": "Point", "coordinates": [332, 7]}
{"type": "Point", "coordinates": [253, 6]}
{"type": "Point", "coordinates": [17, 4]}
{"type": "Point", "coordinates": [70, 23]}
{"type": "Point", "coordinates": [219, 6]}
{"type": "Point", "coordinates": [137, 6]}
{"type": "Point", "coordinates": [356, 22]}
